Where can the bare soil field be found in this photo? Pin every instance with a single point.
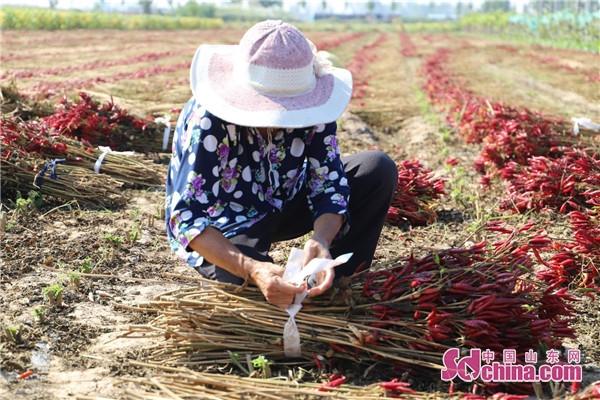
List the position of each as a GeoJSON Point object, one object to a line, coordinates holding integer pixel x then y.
{"type": "Point", "coordinates": [76, 349]}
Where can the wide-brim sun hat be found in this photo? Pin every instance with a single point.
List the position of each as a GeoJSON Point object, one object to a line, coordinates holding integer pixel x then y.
{"type": "Point", "coordinates": [273, 78]}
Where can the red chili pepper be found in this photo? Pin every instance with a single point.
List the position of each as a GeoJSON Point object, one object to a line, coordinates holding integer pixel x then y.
{"type": "Point", "coordinates": [25, 374]}
{"type": "Point", "coordinates": [338, 348]}
{"type": "Point", "coordinates": [334, 381]}
{"type": "Point", "coordinates": [397, 386]}
{"type": "Point", "coordinates": [317, 361]}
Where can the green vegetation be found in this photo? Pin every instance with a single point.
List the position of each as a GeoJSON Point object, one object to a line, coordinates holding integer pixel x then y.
{"type": "Point", "coordinates": [134, 232]}
{"type": "Point", "coordinates": [566, 29]}
{"type": "Point", "coordinates": [263, 365]}
{"type": "Point", "coordinates": [47, 19]}
{"type": "Point", "coordinates": [87, 266]}
{"type": "Point", "coordinates": [192, 9]}
{"type": "Point", "coordinates": [74, 278]}
{"type": "Point", "coordinates": [31, 202]}
{"type": "Point", "coordinates": [13, 334]}
{"type": "Point", "coordinates": [113, 239]}
{"type": "Point", "coordinates": [53, 293]}
{"type": "Point", "coordinates": [235, 359]}
{"type": "Point", "coordinates": [39, 314]}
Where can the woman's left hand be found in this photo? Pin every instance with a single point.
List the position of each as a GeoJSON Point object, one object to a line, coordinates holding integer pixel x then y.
{"type": "Point", "coordinates": [317, 248]}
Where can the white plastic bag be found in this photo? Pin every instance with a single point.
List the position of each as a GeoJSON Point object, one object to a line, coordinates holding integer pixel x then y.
{"type": "Point", "coordinates": [295, 274]}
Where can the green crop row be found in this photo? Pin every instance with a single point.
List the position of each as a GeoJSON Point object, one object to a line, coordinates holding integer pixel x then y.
{"type": "Point", "coordinates": [46, 19]}
{"type": "Point", "coordinates": [571, 30]}
{"type": "Point", "coordinates": [563, 29]}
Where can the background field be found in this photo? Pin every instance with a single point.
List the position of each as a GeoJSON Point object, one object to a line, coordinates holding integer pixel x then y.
{"type": "Point", "coordinates": [77, 351]}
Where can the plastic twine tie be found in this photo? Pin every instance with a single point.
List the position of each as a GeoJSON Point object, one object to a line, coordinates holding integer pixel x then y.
{"type": "Point", "coordinates": [38, 180]}
{"type": "Point", "coordinates": [105, 150]}
{"type": "Point", "coordinates": [166, 132]}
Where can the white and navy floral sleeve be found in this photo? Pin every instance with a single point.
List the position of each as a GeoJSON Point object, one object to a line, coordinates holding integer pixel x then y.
{"type": "Point", "coordinates": [328, 190]}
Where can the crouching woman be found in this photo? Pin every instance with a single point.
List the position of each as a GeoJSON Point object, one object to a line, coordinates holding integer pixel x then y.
{"type": "Point", "coordinates": [256, 161]}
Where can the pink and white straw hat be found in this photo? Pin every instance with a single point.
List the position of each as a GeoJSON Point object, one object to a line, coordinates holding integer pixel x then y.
{"type": "Point", "coordinates": [273, 78]}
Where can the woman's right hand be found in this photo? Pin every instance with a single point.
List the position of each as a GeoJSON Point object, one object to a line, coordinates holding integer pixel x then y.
{"type": "Point", "coordinates": [268, 278]}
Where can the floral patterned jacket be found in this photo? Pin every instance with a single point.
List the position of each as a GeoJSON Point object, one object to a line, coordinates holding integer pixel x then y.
{"type": "Point", "coordinates": [229, 177]}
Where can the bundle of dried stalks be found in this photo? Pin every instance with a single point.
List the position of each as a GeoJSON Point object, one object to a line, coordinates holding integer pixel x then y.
{"type": "Point", "coordinates": [71, 183]}
{"type": "Point", "coordinates": [127, 167]}
{"type": "Point", "coordinates": [218, 323]}
{"type": "Point", "coordinates": [182, 383]}
{"type": "Point", "coordinates": [33, 139]}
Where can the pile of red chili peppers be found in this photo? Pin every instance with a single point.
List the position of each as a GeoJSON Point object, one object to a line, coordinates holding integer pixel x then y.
{"type": "Point", "coordinates": [21, 139]}
{"type": "Point", "coordinates": [416, 189]}
{"type": "Point", "coordinates": [101, 124]}
{"type": "Point", "coordinates": [575, 262]}
{"type": "Point", "coordinates": [26, 141]}
{"type": "Point", "coordinates": [482, 296]}
{"type": "Point", "coordinates": [569, 182]}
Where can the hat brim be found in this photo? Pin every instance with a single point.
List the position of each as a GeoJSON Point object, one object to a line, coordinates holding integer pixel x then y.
{"type": "Point", "coordinates": [214, 86]}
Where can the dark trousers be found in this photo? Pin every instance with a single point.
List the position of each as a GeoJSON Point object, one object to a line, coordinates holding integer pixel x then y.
{"type": "Point", "coordinates": [372, 177]}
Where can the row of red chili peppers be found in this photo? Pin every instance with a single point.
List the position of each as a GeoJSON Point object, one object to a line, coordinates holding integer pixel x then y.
{"type": "Point", "coordinates": [329, 43]}
{"type": "Point", "coordinates": [92, 65]}
{"type": "Point", "coordinates": [408, 48]}
{"type": "Point", "coordinates": [520, 146]}
{"type": "Point", "coordinates": [48, 89]}
{"type": "Point", "coordinates": [416, 186]}
{"type": "Point", "coordinates": [361, 59]}
{"type": "Point", "coordinates": [542, 165]}
{"type": "Point", "coordinates": [590, 74]}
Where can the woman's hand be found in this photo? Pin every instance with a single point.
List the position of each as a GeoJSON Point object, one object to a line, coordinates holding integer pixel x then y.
{"type": "Point", "coordinates": [267, 277]}
{"type": "Point", "coordinates": [318, 248]}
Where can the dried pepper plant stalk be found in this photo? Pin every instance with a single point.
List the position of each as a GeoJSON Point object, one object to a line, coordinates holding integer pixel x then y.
{"type": "Point", "coordinates": [181, 383]}
{"type": "Point", "coordinates": [203, 325]}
